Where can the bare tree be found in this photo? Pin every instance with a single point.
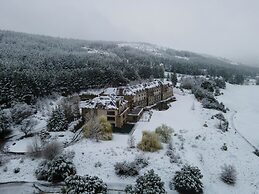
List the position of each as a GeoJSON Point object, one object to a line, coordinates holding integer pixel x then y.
{"type": "Point", "coordinates": [92, 128]}
{"type": "Point", "coordinates": [34, 149]}
{"type": "Point", "coordinates": [27, 126]}
{"type": "Point", "coordinates": [131, 141]}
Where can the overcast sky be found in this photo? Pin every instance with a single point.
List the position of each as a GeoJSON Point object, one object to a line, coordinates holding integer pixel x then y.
{"type": "Point", "coordinates": [225, 28]}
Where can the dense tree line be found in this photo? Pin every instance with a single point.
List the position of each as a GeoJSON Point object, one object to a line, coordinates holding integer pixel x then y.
{"type": "Point", "coordinates": [32, 66]}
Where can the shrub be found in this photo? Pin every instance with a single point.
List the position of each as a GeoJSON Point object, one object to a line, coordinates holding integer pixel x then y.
{"type": "Point", "coordinates": [16, 170]}
{"type": "Point", "coordinates": [256, 152]}
{"type": "Point", "coordinates": [141, 161]}
{"type": "Point", "coordinates": [187, 180]}
{"type": "Point", "coordinates": [174, 158]}
{"type": "Point", "coordinates": [84, 184]}
{"type": "Point", "coordinates": [126, 169]}
{"type": "Point", "coordinates": [97, 164]}
{"type": "Point", "coordinates": [131, 168]}
{"type": "Point", "coordinates": [149, 183]}
{"type": "Point", "coordinates": [165, 133]}
{"type": "Point", "coordinates": [56, 170]}
{"type": "Point", "coordinates": [228, 174]}
{"type": "Point", "coordinates": [212, 103]}
{"type": "Point", "coordinates": [224, 147]}
{"type": "Point", "coordinates": [52, 150]}
{"type": "Point", "coordinates": [149, 142]}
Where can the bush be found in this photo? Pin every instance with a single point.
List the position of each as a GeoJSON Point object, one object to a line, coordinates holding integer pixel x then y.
{"type": "Point", "coordinates": [84, 184]}
{"type": "Point", "coordinates": [141, 161]}
{"type": "Point", "coordinates": [187, 180]}
{"type": "Point", "coordinates": [149, 142]}
{"type": "Point", "coordinates": [56, 170]}
{"type": "Point", "coordinates": [228, 174]}
{"type": "Point", "coordinates": [16, 170]}
{"type": "Point", "coordinates": [224, 147]}
{"type": "Point", "coordinates": [126, 169]}
{"type": "Point", "coordinates": [52, 150]}
{"type": "Point", "coordinates": [165, 133]}
{"type": "Point", "coordinates": [148, 183]}
{"type": "Point", "coordinates": [131, 168]}
{"type": "Point", "coordinates": [212, 103]}
{"type": "Point", "coordinates": [174, 158]}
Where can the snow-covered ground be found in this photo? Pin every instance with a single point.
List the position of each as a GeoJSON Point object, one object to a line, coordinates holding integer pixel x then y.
{"type": "Point", "coordinates": [245, 101]}
{"type": "Point", "coordinates": [197, 145]}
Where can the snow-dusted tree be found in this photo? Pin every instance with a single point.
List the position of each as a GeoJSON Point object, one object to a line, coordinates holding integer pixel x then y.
{"type": "Point", "coordinates": [21, 111]}
{"type": "Point", "coordinates": [70, 105]}
{"type": "Point", "coordinates": [84, 184]}
{"type": "Point", "coordinates": [131, 141]}
{"type": "Point", "coordinates": [228, 174]}
{"type": "Point", "coordinates": [27, 126]}
{"type": "Point", "coordinates": [92, 128]}
{"type": "Point", "coordinates": [165, 133]}
{"type": "Point", "coordinates": [187, 180]}
{"type": "Point", "coordinates": [57, 121]}
{"type": "Point", "coordinates": [257, 81]}
{"type": "Point", "coordinates": [97, 128]}
{"type": "Point", "coordinates": [148, 183]}
{"type": "Point", "coordinates": [34, 149]}
{"type": "Point", "coordinates": [5, 123]}
{"type": "Point", "coordinates": [174, 79]}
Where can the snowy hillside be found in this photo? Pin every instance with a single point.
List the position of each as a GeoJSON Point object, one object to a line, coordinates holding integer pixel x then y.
{"type": "Point", "coordinates": [194, 142]}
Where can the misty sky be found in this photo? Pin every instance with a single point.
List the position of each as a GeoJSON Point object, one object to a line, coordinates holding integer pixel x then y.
{"type": "Point", "coordinates": [225, 28]}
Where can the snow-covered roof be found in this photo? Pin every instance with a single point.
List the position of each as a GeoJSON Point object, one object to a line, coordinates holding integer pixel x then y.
{"type": "Point", "coordinates": [110, 91]}
{"type": "Point", "coordinates": [92, 92]}
{"type": "Point", "coordinates": [133, 89]}
{"type": "Point", "coordinates": [103, 102]}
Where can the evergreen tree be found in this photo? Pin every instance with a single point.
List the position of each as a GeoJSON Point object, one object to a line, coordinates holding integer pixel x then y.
{"type": "Point", "coordinates": [148, 183]}
{"type": "Point", "coordinates": [174, 79]}
{"type": "Point", "coordinates": [187, 180]}
{"type": "Point", "coordinates": [57, 121]}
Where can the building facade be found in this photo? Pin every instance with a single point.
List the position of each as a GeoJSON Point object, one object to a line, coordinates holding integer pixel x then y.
{"type": "Point", "coordinates": [126, 104]}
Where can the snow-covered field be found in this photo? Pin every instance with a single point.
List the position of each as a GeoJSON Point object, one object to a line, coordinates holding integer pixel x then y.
{"type": "Point", "coordinates": [245, 101]}
{"type": "Point", "coordinates": [197, 145]}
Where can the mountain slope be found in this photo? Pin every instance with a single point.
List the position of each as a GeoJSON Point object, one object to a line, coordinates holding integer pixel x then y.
{"type": "Point", "coordinates": [34, 65]}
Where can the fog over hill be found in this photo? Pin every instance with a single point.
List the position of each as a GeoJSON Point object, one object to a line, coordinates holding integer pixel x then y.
{"type": "Point", "coordinates": [226, 29]}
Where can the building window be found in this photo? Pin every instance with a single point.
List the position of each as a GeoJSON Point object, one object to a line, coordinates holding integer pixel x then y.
{"type": "Point", "coordinates": [110, 112]}
{"type": "Point", "coordinates": [111, 118]}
